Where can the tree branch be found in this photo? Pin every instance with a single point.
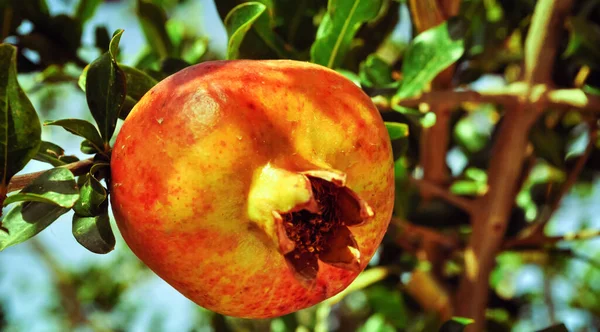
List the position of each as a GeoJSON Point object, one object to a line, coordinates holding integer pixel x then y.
{"type": "Point", "coordinates": [412, 231]}
{"type": "Point", "coordinates": [508, 96]}
{"type": "Point", "coordinates": [543, 240]}
{"type": "Point", "coordinates": [491, 219]}
{"type": "Point", "coordinates": [463, 203]}
{"type": "Point", "coordinates": [77, 168]}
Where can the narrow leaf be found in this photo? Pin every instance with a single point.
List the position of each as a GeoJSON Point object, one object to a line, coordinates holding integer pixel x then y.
{"type": "Point", "coordinates": [396, 130]}
{"type": "Point", "coordinates": [20, 129]}
{"type": "Point", "coordinates": [264, 26]}
{"type": "Point", "coordinates": [56, 186]}
{"type": "Point", "coordinates": [86, 9]}
{"type": "Point", "coordinates": [94, 233]}
{"type": "Point", "coordinates": [105, 89]}
{"type": "Point", "coordinates": [238, 22]}
{"type": "Point", "coordinates": [137, 84]}
{"type": "Point", "coordinates": [80, 128]}
{"type": "Point", "coordinates": [53, 154]}
{"type": "Point", "coordinates": [337, 30]}
{"type": "Point", "coordinates": [25, 220]}
{"type": "Point", "coordinates": [428, 55]}
{"type": "Point", "coordinates": [153, 20]}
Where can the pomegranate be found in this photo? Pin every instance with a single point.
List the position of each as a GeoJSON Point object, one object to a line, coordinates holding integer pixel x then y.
{"type": "Point", "coordinates": [255, 188]}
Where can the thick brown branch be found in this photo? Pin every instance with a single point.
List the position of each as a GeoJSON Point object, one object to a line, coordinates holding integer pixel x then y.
{"type": "Point", "coordinates": [491, 219]}
{"type": "Point", "coordinates": [463, 203]}
{"type": "Point", "coordinates": [21, 181]}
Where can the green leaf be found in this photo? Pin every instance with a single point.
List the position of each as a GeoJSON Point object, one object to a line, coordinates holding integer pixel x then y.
{"type": "Point", "coordinates": [350, 75]}
{"type": "Point", "coordinates": [153, 20]}
{"type": "Point", "coordinates": [92, 197]}
{"type": "Point", "coordinates": [80, 128]}
{"type": "Point", "coordinates": [55, 186]}
{"type": "Point", "coordinates": [138, 82]}
{"type": "Point", "coordinates": [396, 130]}
{"type": "Point", "coordinates": [390, 304]}
{"type": "Point", "coordinates": [377, 323]}
{"type": "Point", "coordinates": [365, 279]}
{"type": "Point", "coordinates": [25, 220]}
{"type": "Point", "coordinates": [468, 188]}
{"type": "Point", "coordinates": [264, 26]}
{"type": "Point", "coordinates": [50, 153]}
{"type": "Point", "coordinates": [238, 22]}
{"type": "Point", "coordinates": [20, 129]}
{"type": "Point", "coordinates": [87, 147]}
{"type": "Point", "coordinates": [86, 9]}
{"type": "Point", "coordinates": [94, 233]}
{"type": "Point", "coordinates": [338, 27]}
{"type": "Point", "coordinates": [374, 72]}
{"type": "Point", "coordinates": [456, 324]}
{"type": "Point", "coordinates": [555, 328]}
{"type": "Point", "coordinates": [429, 54]}
{"type": "Point", "coordinates": [584, 42]}
{"type": "Point", "coordinates": [105, 89]}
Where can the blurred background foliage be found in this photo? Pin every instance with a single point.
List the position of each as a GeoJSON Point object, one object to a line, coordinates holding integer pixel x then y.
{"type": "Point", "coordinates": [52, 284]}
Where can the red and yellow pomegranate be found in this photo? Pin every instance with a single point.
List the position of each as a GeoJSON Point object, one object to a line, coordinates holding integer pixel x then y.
{"type": "Point", "coordinates": [255, 188]}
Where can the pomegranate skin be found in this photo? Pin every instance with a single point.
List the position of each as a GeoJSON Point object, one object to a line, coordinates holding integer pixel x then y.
{"type": "Point", "coordinates": [186, 158]}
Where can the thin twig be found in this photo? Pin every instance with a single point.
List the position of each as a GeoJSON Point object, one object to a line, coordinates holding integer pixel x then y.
{"type": "Point", "coordinates": [463, 203]}
{"type": "Point", "coordinates": [77, 168]}
{"type": "Point", "coordinates": [543, 240]}
{"type": "Point", "coordinates": [535, 235]}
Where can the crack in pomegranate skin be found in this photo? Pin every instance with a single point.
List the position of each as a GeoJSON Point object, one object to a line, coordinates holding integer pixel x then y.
{"type": "Point", "coordinates": [309, 230]}
{"type": "Point", "coordinates": [316, 233]}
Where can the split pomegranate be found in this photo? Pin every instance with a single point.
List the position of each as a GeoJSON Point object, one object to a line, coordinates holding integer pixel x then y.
{"type": "Point", "coordinates": [255, 188]}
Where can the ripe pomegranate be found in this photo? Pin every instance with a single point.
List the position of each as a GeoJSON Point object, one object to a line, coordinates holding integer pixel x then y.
{"type": "Point", "coordinates": [255, 188]}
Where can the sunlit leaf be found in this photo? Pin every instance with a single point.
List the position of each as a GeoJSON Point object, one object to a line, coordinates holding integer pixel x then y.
{"type": "Point", "coordinates": [105, 89]}
{"type": "Point", "coordinates": [429, 54]}
{"type": "Point", "coordinates": [55, 186]}
{"type": "Point", "coordinates": [238, 22]}
{"type": "Point", "coordinates": [137, 84]}
{"type": "Point", "coordinates": [378, 323]}
{"type": "Point", "coordinates": [338, 27]}
{"type": "Point", "coordinates": [456, 324]}
{"type": "Point", "coordinates": [94, 233]}
{"type": "Point", "coordinates": [25, 220]}
{"type": "Point", "coordinates": [365, 279]}
{"type": "Point", "coordinates": [20, 130]}
{"type": "Point", "coordinates": [80, 128]}
{"type": "Point", "coordinates": [396, 130]}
